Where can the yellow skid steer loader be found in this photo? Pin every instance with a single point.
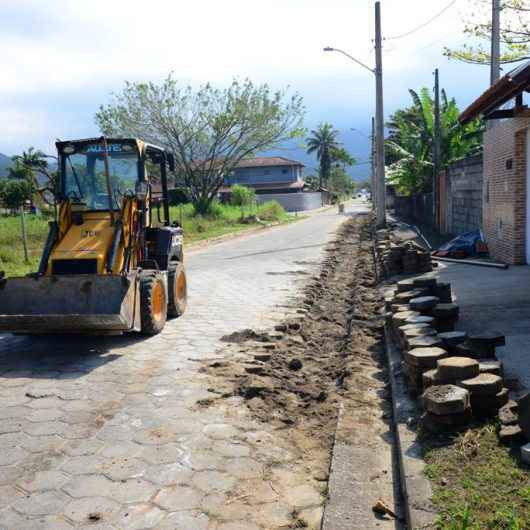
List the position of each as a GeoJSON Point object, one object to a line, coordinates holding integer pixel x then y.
{"type": "Point", "coordinates": [111, 263]}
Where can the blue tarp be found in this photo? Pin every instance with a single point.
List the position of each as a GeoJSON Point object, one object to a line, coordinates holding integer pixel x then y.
{"type": "Point", "coordinates": [462, 246]}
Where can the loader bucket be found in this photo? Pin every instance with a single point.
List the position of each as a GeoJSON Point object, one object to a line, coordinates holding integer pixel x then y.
{"type": "Point", "coordinates": [81, 303]}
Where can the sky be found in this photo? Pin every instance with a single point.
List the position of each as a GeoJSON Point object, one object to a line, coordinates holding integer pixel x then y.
{"type": "Point", "coordinates": [61, 59]}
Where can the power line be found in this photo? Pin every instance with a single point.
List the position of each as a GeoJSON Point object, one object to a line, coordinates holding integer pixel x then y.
{"type": "Point", "coordinates": [424, 24]}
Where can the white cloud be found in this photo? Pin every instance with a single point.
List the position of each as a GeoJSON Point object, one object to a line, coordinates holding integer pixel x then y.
{"type": "Point", "coordinates": [54, 48]}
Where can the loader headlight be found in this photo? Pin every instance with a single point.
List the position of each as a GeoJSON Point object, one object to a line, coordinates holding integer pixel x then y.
{"type": "Point", "coordinates": [141, 190]}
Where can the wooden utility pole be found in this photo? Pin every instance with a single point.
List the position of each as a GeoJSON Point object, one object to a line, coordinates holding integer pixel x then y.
{"type": "Point", "coordinates": [379, 124]}
{"type": "Point", "coordinates": [24, 233]}
{"type": "Point", "coordinates": [495, 41]}
{"type": "Point", "coordinates": [372, 160]}
{"type": "Point", "coordinates": [436, 148]}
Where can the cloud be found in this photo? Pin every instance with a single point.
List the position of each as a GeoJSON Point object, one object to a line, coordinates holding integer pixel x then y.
{"type": "Point", "coordinates": [78, 52]}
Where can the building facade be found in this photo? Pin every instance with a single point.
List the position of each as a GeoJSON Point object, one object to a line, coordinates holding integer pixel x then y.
{"type": "Point", "coordinates": [273, 179]}
{"type": "Point", "coordinates": [506, 184]}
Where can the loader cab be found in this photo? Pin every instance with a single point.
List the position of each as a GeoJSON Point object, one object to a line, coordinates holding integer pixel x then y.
{"type": "Point", "coordinates": [136, 169]}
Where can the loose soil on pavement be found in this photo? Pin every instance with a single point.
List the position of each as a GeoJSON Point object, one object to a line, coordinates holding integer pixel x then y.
{"type": "Point", "coordinates": [327, 353]}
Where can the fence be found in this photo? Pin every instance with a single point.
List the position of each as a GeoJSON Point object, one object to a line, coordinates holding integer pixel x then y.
{"type": "Point", "coordinates": [294, 202]}
{"type": "Point", "coordinates": [459, 199]}
{"type": "Point", "coordinates": [463, 196]}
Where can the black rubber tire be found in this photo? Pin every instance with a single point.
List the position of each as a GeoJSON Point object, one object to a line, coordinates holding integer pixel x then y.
{"type": "Point", "coordinates": [151, 324]}
{"type": "Point", "coordinates": [176, 305]}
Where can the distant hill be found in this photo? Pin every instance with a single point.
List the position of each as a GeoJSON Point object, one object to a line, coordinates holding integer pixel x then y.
{"type": "Point", "coordinates": [356, 145]}
{"type": "Point", "coordinates": [5, 162]}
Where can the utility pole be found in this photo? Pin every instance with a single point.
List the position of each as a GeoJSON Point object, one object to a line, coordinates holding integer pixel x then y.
{"type": "Point", "coordinates": [372, 160]}
{"type": "Point", "coordinates": [436, 150]}
{"type": "Point", "coordinates": [495, 41]}
{"type": "Point", "coordinates": [379, 124]}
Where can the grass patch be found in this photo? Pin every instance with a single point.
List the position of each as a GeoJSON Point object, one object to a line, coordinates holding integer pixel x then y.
{"type": "Point", "coordinates": [472, 472]}
{"type": "Point", "coordinates": [11, 249]}
{"type": "Point", "coordinates": [224, 219]}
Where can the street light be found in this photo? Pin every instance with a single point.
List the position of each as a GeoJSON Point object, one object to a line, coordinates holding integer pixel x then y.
{"type": "Point", "coordinates": [379, 116]}
{"type": "Point", "coordinates": [330, 49]}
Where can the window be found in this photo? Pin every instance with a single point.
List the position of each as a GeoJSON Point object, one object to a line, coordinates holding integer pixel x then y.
{"type": "Point", "coordinates": [284, 171]}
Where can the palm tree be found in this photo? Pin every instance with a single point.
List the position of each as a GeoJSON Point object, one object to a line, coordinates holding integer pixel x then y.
{"type": "Point", "coordinates": [323, 142]}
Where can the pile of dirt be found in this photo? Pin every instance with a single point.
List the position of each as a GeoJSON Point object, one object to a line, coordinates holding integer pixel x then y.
{"type": "Point", "coordinates": [296, 375]}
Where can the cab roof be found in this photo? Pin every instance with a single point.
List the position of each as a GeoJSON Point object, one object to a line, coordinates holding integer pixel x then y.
{"type": "Point", "coordinates": [140, 144]}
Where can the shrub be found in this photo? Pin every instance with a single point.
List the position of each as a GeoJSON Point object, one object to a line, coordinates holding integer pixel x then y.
{"type": "Point", "coordinates": [242, 196]}
{"type": "Point", "coordinates": [271, 211]}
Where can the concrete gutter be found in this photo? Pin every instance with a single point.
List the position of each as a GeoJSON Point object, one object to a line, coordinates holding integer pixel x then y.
{"type": "Point", "coordinates": [415, 487]}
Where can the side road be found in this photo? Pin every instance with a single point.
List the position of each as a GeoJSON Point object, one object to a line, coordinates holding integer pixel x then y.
{"type": "Point", "coordinates": [110, 432]}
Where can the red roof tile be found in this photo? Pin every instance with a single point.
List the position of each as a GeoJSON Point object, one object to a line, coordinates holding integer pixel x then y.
{"type": "Point", "coordinates": [264, 161]}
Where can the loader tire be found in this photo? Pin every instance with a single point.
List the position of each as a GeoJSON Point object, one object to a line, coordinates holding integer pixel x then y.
{"type": "Point", "coordinates": [153, 304]}
{"type": "Point", "coordinates": [177, 290]}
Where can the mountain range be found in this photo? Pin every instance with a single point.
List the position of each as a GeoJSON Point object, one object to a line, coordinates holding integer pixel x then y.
{"type": "Point", "coordinates": [5, 162]}
{"type": "Point", "coordinates": [292, 150]}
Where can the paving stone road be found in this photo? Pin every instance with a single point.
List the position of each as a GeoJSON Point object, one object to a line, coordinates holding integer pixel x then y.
{"type": "Point", "coordinates": [107, 432]}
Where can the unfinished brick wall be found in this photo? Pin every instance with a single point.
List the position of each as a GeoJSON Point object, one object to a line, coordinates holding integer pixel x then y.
{"type": "Point", "coordinates": [504, 190]}
{"type": "Point", "coordinates": [463, 195]}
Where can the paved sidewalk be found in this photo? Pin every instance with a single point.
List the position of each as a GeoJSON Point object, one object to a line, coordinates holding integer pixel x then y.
{"type": "Point", "coordinates": [495, 300]}
{"type": "Point", "coordinates": [111, 432]}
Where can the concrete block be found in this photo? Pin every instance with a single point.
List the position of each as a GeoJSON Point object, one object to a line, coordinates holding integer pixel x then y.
{"type": "Point", "coordinates": [487, 338]}
{"type": "Point", "coordinates": [451, 339]}
{"type": "Point", "coordinates": [426, 341]}
{"type": "Point", "coordinates": [483, 385]}
{"type": "Point", "coordinates": [404, 286]}
{"type": "Point", "coordinates": [425, 358]}
{"type": "Point", "coordinates": [447, 422]}
{"type": "Point", "coordinates": [428, 283]}
{"type": "Point", "coordinates": [398, 319]}
{"type": "Point", "coordinates": [446, 310]}
{"type": "Point", "coordinates": [445, 400]}
{"type": "Point", "coordinates": [457, 368]}
{"type": "Point", "coordinates": [423, 303]}
{"type": "Point", "coordinates": [511, 434]}
{"type": "Point", "coordinates": [412, 333]}
{"type": "Point", "coordinates": [523, 409]}
{"type": "Point", "coordinates": [490, 366]}
{"type": "Point", "coordinates": [525, 453]}
{"type": "Point", "coordinates": [489, 405]}
{"type": "Point", "coordinates": [407, 296]}
{"type": "Point", "coordinates": [420, 319]}
{"type": "Point", "coordinates": [429, 378]}
{"type": "Point", "coordinates": [507, 416]}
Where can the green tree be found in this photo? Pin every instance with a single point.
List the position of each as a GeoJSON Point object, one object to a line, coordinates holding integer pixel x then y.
{"type": "Point", "coordinates": [44, 177]}
{"type": "Point", "coordinates": [515, 33]}
{"type": "Point", "coordinates": [17, 188]}
{"type": "Point", "coordinates": [209, 130]}
{"type": "Point", "coordinates": [242, 196]}
{"type": "Point", "coordinates": [411, 139]}
{"type": "Point", "coordinates": [324, 142]}
{"type": "Point", "coordinates": [340, 183]}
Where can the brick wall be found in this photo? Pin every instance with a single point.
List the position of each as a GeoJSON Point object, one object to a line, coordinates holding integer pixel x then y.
{"type": "Point", "coordinates": [463, 195]}
{"type": "Point", "coordinates": [504, 190]}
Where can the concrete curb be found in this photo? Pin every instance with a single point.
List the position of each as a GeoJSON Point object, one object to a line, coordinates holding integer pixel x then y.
{"type": "Point", "coordinates": [415, 487]}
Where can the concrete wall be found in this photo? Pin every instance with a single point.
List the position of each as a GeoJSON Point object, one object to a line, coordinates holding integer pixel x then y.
{"type": "Point", "coordinates": [463, 208]}
{"type": "Point", "coordinates": [504, 211]}
{"type": "Point", "coordinates": [294, 202]}
{"type": "Point", "coordinates": [416, 209]}
{"type": "Point", "coordinates": [265, 174]}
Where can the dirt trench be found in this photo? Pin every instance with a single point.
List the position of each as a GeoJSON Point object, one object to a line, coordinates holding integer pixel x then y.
{"type": "Point", "coordinates": [328, 354]}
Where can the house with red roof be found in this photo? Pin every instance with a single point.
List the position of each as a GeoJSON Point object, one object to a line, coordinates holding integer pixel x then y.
{"type": "Point", "coordinates": [273, 178]}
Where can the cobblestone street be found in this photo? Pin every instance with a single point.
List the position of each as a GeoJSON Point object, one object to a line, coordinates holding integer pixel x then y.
{"type": "Point", "coordinates": [109, 432]}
